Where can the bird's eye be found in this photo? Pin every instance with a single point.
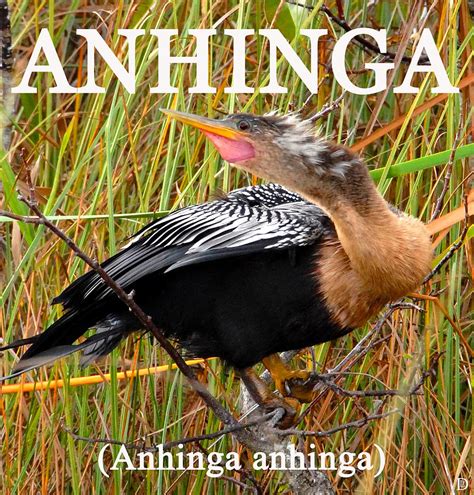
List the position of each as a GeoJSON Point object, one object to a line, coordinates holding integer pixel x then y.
{"type": "Point", "coordinates": [243, 125]}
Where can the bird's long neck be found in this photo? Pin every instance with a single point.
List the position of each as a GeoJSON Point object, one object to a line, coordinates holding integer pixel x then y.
{"type": "Point", "coordinates": [378, 255]}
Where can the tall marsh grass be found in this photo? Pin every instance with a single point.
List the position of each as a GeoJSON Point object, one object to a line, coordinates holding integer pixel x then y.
{"type": "Point", "coordinates": [104, 164]}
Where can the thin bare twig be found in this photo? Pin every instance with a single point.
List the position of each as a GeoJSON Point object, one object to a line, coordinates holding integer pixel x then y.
{"type": "Point", "coordinates": [328, 108]}
{"type": "Point", "coordinates": [168, 445]}
{"type": "Point", "coordinates": [240, 484]}
{"type": "Point", "coordinates": [326, 433]}
{"type": "Point", "coordinates": [328, 380]}
{"type": "Point", "coordinates": [359, 350]}
{"type": "Point", "coordinates": [222, 413]}
{"type": "Point", "coordinates": [365, 44]}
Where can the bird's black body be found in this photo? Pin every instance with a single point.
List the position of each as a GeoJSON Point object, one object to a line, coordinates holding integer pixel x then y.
{"type": "Point", "coordinates": [233, 278]}
{"type": "Point", "coordinates": [244, 308]}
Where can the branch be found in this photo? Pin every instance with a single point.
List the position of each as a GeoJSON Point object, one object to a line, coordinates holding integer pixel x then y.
{"type": "Point", "coordinates": [328, 380]}
{"type": "Point", "coordinates": [168, 445]}
{"type": "Point", "coordinates": [365, 44]}
{"type": "Point", "coordinates": [128, 300]}
{"type": "Point", "coordinates": [263, 440]}
{"type": "Point", "coordinates": [326, 433]}
{"type": "Point", "coordinates": [359, 350]}
{"type": "Point", "coordinates": [328, 108]}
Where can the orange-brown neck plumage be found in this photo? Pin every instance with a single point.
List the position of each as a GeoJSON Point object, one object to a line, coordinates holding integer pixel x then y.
{"type": "Point", "coordinates": [378, 255]}
{"type": "Point", "coordinates": [377, 258]}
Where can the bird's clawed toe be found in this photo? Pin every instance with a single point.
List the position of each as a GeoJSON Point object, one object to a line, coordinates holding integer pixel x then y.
{"type": "Point", "coordinates": [261, 394]}
{"type": "Point", "coordinates": [300, 385]}
{"type": "Point", "coordinates": [291, 408]}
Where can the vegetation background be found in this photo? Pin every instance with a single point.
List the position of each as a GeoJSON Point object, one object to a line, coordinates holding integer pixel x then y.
{"type": "Point", "coordinates": [105, 164]}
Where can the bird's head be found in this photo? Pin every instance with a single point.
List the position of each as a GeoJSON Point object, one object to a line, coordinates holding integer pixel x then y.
{"type": "Point", "coordinates": [284, 149]}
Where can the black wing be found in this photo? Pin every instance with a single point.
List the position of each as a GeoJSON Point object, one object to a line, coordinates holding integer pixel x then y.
{"type": "Point", "coordinates": [247, 220]}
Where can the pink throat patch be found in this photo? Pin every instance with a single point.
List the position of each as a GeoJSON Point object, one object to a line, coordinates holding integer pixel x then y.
{"type": "Point", "coordinates": [231, 150]}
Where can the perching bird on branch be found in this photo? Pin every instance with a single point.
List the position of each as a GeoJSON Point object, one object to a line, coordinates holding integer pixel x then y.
{"type": "Point", "coordinates": [267, 269]}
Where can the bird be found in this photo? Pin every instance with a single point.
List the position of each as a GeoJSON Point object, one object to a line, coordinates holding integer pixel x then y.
{"type": "Point", "coordinates": [305, 258]}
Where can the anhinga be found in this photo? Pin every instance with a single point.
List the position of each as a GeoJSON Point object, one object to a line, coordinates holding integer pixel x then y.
{"type": "Point", "coordinates": [268, 268]}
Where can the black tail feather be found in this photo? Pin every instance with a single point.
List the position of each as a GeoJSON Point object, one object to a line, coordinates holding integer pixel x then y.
{"type": "Point", "coordinates": [37, 359]}
{"type": "Point", "coordinates": [56, 341]}
{"type": "Point", "coordinates": [19, 343]}
{"type": "Point", "coordinates": [63, 331]}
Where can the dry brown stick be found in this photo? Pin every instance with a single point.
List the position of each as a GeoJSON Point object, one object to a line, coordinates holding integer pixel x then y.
{"type": "Point", "coordinates": [366, 45]}
{"type": "Point", "coordinates": [326, 433]}
{"type": "Point", "coordinates": [359, 350]}
{"type": "Point", "coordinates": [364, 393]}
{"type": "Point", "coordinates": [328, 108]}
{"type": "Point", "coordinates": [168, 445]}
{"type": "Point", "coordinates": [328, 380]}
{"type": "Point", "coordinates": [128, 300]}
{"type": "Point", "coordinates": [240, 484]}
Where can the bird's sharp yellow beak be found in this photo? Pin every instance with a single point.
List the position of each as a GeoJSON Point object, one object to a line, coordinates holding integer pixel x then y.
{"type": "Point", "coordinates": [218, 127]}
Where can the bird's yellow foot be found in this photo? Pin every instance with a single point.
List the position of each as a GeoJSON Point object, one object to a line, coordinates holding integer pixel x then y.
{"type": "Point", "coordinates": [263, 397]}
{"type": "Point", "coordinates": [295, 383]}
